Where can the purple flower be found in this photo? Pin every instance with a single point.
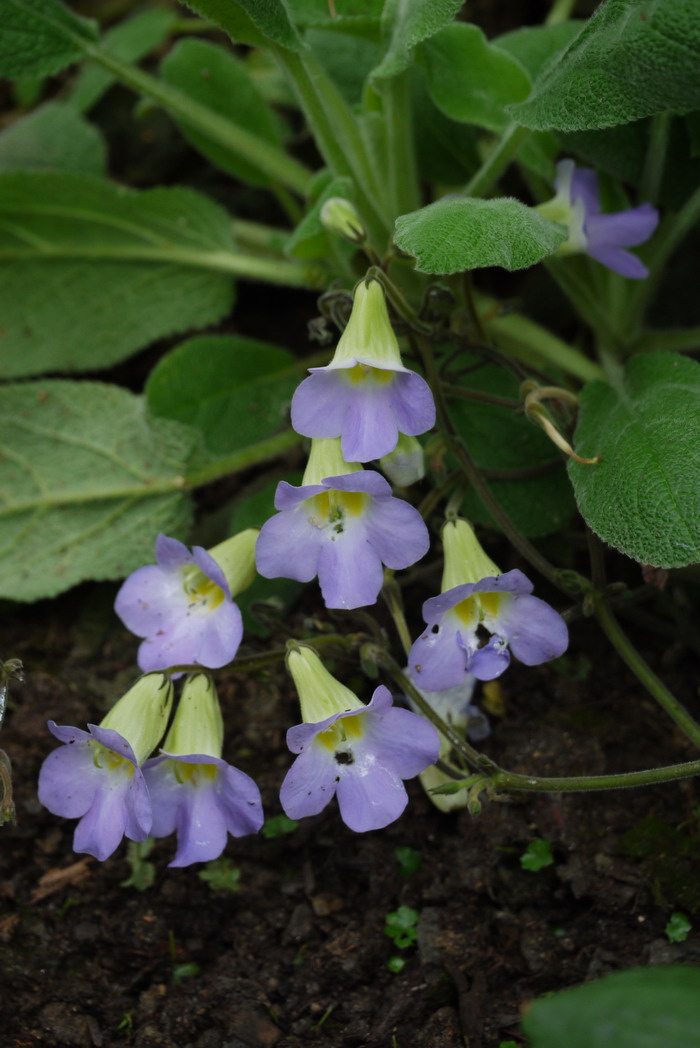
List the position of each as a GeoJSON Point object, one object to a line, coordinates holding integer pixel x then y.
{"type": "Point", "coordinates": [360, 756]}
{"type": "Point", "coordinates": [342, 529]}
{"type": "Point", "coordinates": [365, 395]}
{"type": "Point", "coordinates": [503, 605]}
{"type": "Point", "coordinates": [183, 605]}
{"type": "Point", "coordinates": [602, 236]}
{"type": "Point", "coordinates": [202, 798]}
{"type": "Point", "coordinates": [95, 777]}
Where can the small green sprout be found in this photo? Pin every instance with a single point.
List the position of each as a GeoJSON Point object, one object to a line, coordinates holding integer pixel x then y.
{"type": "Point", "coordinates": [678, 927]}
{"type": "Point", "coordinates": [409, 860]}
{"type": "Point", "coordinates": [221, 876]}
{"type": "Point", "coordinates": [396, 964]}
{"type": "Point", "coordinates": [185, 971]}
{"type": "Point", "coordinates": [277, 826]}
{"type": "Point", "coordinates": [401, 926]}
{"type": "Point", "coordinates": [143, 873]}
{"type": "Point", "coordinates": [537, 855]}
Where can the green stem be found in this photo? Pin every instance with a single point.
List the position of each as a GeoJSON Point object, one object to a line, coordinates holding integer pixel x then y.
{"type": "Point", "coordinates": [560, 11]}
{"type": "Point", "coordinates": [644, 673]}
{"type": "Point", "coordinates": [582, 299]}
{"type": "Point", "coordinates": [392, 596]}
{"type": "Point", "coordinates": [498, 160]}
{"type": "Point", "coordinates": [266, 449]}
{"type": "Point", "coordinates": [268, 158]}
{"type": "Point", "coordinates": [678, 340]}
{"type": "Point", "coordinates": [400, 149]}
{"type": "Point", "coordinates": [575, 784]}
{"type": "Point", "coordinates": [251, 663]}
{"type": "Point", "coordinates": [655, 160]}
{"type": "Point", "coordinates": [255, 234]}
{"type": "Point", "coordinates": [462, 393]}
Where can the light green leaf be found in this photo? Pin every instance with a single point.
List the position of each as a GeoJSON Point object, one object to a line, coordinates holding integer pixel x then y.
{"type": "Point", "coordinates": [469, 79]}
{"type": "Point", "coordinates": [458, 233]}
{"type": "Point", "coordinates": [499, 439]}
{"type": "Point", "coordinates": [130, 40]}
{"type": "Point", "coordinates": [87, 480]}
{"type": "Point", "coordinates": [91, 271]}
{"type": "Point", "coordinates": [40, 37]}
{"type": "Point", "coordinates": [643, 498]}
{"type": "Point", "coordinates": [53, 136]}
{"type": "Point", "coordinates": [253, 22]}
{"type": "Point", "coordinates": [631, 60]}
{"type": "Point", "coordinates": [405, 23]}
{"type": "Point", "coordinates": [218, 80]}
{"type": "Point", "coordinates": [641, 1008]}
{"type": "Point", "coordinates": [236, 391]}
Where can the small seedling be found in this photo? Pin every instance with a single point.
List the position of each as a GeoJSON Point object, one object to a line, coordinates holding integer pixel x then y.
{"type": "Point", "coordinates": [278, 826]}
{"type": "Point", "coordinates": [678, 927]}
{"type": "Point", "coordinates": [185, 971]}
{"type": "Point", "coordinates": [396, 964]}
{"type": "Point", "coordinates": [537, 855]}
{"type": "Point", "coordinates": [143, 873]}
{"type": "Point", "coordinates": [409, 860]}
{"type": "Point", "coordinates": [401, 926]}
{"type": "Point", "coordinates": [221, 876]}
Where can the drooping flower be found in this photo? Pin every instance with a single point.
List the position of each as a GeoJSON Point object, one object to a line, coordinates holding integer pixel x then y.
{"type": "Point", "coordinates": [96, 775]}
{"type": "Point", "coordinates": [602, 236]}
{"type": "Point", "coordinates": [475, 594]}
{"type": "Point", "coordinates": [359, 754]}
{"type": "Point", "coordinates": [183, 605]}
{"type": "Point", "coordinates": [341, 524]}
{"type": "Point", "coordinates": [365, 395]}
{"type": "Point", "coordinates": [193, 790]}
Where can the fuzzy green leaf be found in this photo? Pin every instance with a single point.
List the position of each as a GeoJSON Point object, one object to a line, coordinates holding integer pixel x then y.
{"type": "Point", "coordinates": [535, 45]}
{"type": "Point", "coordinates": [234, 390]}
{"type": "Point", "coordinates": [254, 22]}
{"type": "Point", "coordinates": [631, 60]}
{"type": "Point", "coordinates": [458, 233]}
{"type": "Point", "coordinates": [53, 136]}
{"type": "Point", "coordinates": [40, 37]}
{"type": "Point", "coordinates": [86, 482]}
{"type": "Point", "coordinates": [640, 1008]}
{"type": "Point", "coordinates": [643, 498]}
{"type": "Point", "coordinates": [92, 272]}
{"type": "Point", "coordinates": [469, 79]}
{"type": "Point", "coordinates": [405, 23]}
{"type": "Point", "coordinates": [129, 40]}
{"type": "Point", "coordinates": [310, 239]}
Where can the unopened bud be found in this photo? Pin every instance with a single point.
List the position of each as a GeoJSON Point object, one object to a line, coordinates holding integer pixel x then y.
{"type": "Point", "coordinates": [142, 714]}
{"type": "Point", "coordinates": [340, 216]}
{"type": "Point", "coordinates": [406, 463]}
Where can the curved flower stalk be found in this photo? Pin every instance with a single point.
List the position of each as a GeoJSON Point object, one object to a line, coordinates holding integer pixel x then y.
{"type": "Point", "coordinates": [183, 605]}
{"type": "Point", "coordinates": [365, 395]}
{"type": "Point", "coordinates": [193, 791]}
{"type": "Point", "coordinates": [602, 236]}
{"type": "Point", "coordinates": [96, 776]}
{"type": "Point", "coordinates": [475, 594]}
{"type": "Point", "coordinates": [359, 754]}
{"type": "Point", "coordinates": [341, 524]}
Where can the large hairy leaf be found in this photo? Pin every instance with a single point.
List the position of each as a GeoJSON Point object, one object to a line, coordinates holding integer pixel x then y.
{"type": "Point", "coordinates": [643, 497]}
{"type": "Point", "coordinates": [53, 136]}
{"type": "Point", "coordinates": [87, 481]}
{"type": "Point", "coordinates": [40, 37]}
{"type": "Point", "coordinates": [91, 271]}
{"type": "Point", "coordinates": [405, 23]}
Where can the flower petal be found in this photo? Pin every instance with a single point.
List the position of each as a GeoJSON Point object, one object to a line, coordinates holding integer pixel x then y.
{"type": "Point", "coordinates": [370, 796]}
{"type": "Point", "coordinates": [349, 571]}
{"type": "Point", "coordinates": [150, 599]}
{"type": "Point", "coordinates": [535, 632]}
{"type": "Point", "coordinates": [239, 799]}
{"type": "Point", "coordinates": [101, 829]}
{"type": "Point", "coordinates": [163, 789]}
{"type": "Point", "coordinates": [414, 404]}
{"type": "Point", "coordinates": [201, 826]}
{"type": "Point", "coordinates": [491, 660]}
{"type": "Point", "coordinates": [396, 532]}
{"type": "Point", "coordinates": [369, 425]}
{"type": "Point", "coordinates": [620, 261]}
{"type": "Point", "coordinates": [439, 658]}
{"type": "Point", "coordinates": [310, 783]}
{"type": "Point", "coordinates": [320, 404]}
{"type": "Point", "coordinates": [69, 779]}
{"type": "Point", "coordinates": [171, 553]}
{"type": "Point", "coordinates": [623, 228]}
{"type": "Point", "coordinates": [289, 546]}
{"type": "Point", "coordinates": [221, 635]}
{"type": "Point", "coordinates": [403, 741]}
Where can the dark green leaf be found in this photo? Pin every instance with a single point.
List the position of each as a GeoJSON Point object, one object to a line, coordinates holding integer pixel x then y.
{"type": "Point", "coordinates": [53, 136]}
{"type": "Point", "coordinates": [405, 25]}
{"type": "Point", "coordinates": [40, 37]}
{"type": "Point", "coordinates": [640, 1008]}
{"type": "Point", "coordinates": [631, 60]}
{"type": "Point", "coordinates": [643, 498]}
{"type": "Point", "coordinates": [254, 22]}
{"type": "Point", "coordinates": [86, 483]}
{"type": "Point", "coordinates": [535, 45]}
{"type": "Point", "coordinates": [218, 80]}
{"type": "Point", "coordinates": [458, 233]}
{"type": "Point", "coordinates": [537, 855]}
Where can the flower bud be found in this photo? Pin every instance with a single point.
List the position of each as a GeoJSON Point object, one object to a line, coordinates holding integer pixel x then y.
{"type": "Point", "coordinates": [340, 216]}
{"type": "Point", "coordinates": [404, 465]}
{"type": "Point", "coordinates": [369, 336]}
{"type": "Point", "coordinates": [326, 460]}
{"type": "Point", "coordinates": [320, 694]}
{"type": "Point", "coordinates": [236, 558]}
{"type": "Point", "coordinates": [198, 726]}
{"type": "Point", "coordinates": [465, 560]}
{"type": "Point", "coordinates": [142, 714]}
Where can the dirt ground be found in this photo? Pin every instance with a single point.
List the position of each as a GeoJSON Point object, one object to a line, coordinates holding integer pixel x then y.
{"type": "Point", "coordinates": [298, 954]}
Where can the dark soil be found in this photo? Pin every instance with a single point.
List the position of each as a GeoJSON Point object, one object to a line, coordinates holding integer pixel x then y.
{"type": "Point", "coordinates": [298, 954]}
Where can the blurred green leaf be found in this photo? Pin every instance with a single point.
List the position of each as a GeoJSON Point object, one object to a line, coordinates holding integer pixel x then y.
{"type": "Point", "coordinates": [278, 826]}
{"type": "Point", "coordinates": [537, 855]}
{"type": "Point", "coordinates": [86, 482]}
{"type": "Point", "coordinates": [401, 926]}
{"type": "Point", "coordinates": [252, 22]}
{"type": "Point", "coordinates": [53, 136]}
{"type": "Point", "coordinates": [678, 927]}
{"type": "Point", "coordinates": [40, 37]}
{"type": "Point", "coordinates": [92, 271]}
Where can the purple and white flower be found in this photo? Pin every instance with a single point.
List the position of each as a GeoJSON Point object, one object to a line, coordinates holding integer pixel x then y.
{"type": "Point", "coordinates": [341, 526]}
{"type": "Point", "coordinates": [359, 754]}
{"type": "Point", "coordinates": [476, 596]}
{"type": "Point", "coordinates": [365, 395]}
{"type": "Point", "coordinates": [193, 791]}
{"type": "Point", "coordinates": [183, 605]}
{"type": "Point", "coordinates": [95, 776]}
{"type": "Point", "coordinates": [602, 236]}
